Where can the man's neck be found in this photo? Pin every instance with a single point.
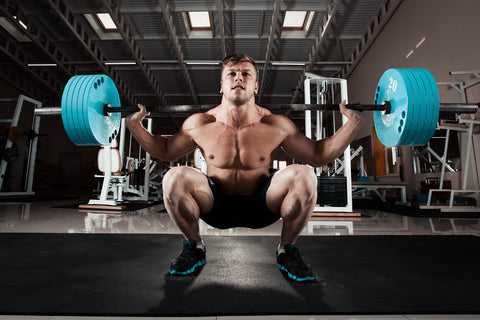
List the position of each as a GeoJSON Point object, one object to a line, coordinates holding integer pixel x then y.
{"type": "Point", "coordinates": [239, 115]}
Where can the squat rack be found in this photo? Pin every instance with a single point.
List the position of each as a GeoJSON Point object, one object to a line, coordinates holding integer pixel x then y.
{"type": "Point", "coordinates": [32, 151]}
{"type": "Point", "coordinates": [321, 85]}
{"type": "Point", "coordinates": [469, 161]}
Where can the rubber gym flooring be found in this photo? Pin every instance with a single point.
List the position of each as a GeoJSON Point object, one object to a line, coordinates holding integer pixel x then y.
{"type": "Point", "coordinates": [61, 263]}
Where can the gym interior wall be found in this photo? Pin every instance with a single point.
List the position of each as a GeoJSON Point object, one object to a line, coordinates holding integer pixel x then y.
{"type": "Point", "coordinates": [435, 34]}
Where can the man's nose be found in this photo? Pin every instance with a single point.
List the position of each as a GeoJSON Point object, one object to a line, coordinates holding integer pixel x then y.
{"type": "Point", "coordinates": [238, 77]}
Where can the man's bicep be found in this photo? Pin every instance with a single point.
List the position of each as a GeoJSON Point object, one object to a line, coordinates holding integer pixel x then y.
{"type": "Point", "coordinates": [305, 150]}
{"type": "Point", "coordinates": [183, 141]}
{"type": "Point", "coordinates": [298, 146]}
{"type": "Point", "coordinates": [179, 144]}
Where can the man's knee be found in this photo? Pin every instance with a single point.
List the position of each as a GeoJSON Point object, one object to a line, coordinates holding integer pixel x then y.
{"type": "Point", "coordinates": [293, 189]}
{"type": "Point", "coordinates": [302, 176]}
{"type": "Point", "coordinates": [182, 184]}
{"type": "Point", "coordinates": [173, 175]}
{"type": "Point", "coordinates": [183, 178]}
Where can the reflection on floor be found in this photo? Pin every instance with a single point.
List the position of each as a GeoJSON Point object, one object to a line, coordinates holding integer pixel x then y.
{"type": "Point", "coordinates": [46, 217]}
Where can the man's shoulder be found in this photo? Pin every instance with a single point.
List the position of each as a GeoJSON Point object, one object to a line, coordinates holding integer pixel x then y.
{"type": "Point", "coordinates": [280, 123]}
{"type": "Point", "coordinates": [197, 120]}
{"type": "Point", "coordinates": [275, 119]}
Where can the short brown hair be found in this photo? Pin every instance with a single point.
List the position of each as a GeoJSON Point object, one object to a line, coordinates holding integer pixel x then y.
{"type": "Point", "coordinates": [238, 58]}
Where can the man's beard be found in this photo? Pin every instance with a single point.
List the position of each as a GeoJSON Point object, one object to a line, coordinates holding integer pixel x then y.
{"type": "Point", "coordinates": [239, 99]}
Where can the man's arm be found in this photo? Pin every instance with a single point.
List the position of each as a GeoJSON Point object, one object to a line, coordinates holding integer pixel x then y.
{"type": "Point", "coordinates": [163, 148]}
{"type": "Point", "coordinates": [320, 152]}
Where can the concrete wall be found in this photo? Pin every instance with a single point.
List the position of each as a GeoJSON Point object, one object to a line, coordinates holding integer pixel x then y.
{"type": "Point", "coordinates": [450, 33]}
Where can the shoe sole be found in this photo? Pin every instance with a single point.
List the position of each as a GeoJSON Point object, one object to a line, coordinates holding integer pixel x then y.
{"type": "Point", "coordinates": [191, 270]}
{"type": "Point", "coordinates": [294, 277]}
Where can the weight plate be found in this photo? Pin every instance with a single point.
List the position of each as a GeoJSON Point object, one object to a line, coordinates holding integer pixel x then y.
{"type": "Point", "coordinates": [103, 128]}
{"type": "Point", "coordinates": [421, 137]}
{"type": "Point", "coordinates": [76, 110]}
{"type": "Point", "coordinates": [66, 106]}
{"type": "Point", "coordinates": [418, 105]}
{"type": "Point", "coordinates": [83, 112]}
{"type": "Point", "coordinates": [412, 123]}
{"type": "Point", "coordinates": [394, 87]}
{"type": "Point", "coordinates": [433, 106]}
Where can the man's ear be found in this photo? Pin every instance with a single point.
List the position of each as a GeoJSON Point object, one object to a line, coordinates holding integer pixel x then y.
{"type": "Point", "coordinates": [257, 84]}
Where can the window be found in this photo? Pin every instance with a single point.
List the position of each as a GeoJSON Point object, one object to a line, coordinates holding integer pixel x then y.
{"type": "Point", "coordinates": [296, 24]}
{"type": "Point", "coordinates": [294, 20]}
{"type": "Point", "coordinates": [106, 22]}
{"type": "Point", "coordinates": [103, 25]}
{"type": "Point", "coordinates": [199, 20]}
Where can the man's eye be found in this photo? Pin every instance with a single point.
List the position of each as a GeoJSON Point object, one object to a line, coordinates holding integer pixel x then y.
{"type": "Point", "coordinates": [232, 74]}
{"type": "Point", "coordinates": [245, 74]}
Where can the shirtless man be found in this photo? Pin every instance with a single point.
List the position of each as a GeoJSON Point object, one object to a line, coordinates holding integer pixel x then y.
{"type": "Point", "coordinates": [237, 139]}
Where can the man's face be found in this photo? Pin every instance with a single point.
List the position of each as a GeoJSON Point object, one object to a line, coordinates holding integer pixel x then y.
{"type": "Point", "coordinates": [239, 82]}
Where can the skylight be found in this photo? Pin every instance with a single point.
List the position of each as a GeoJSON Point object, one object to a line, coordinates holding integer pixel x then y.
{"type": "Point", "coordinates": [106, 21]}
{"type": "Point", "coordinates": [199, 20]}
{"type": "Point", "coordinates": [297, 20]}
{"type": "Point", "coordinates": [294, 19]}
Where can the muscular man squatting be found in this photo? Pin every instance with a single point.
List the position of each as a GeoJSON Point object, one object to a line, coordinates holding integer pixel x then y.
{"type": "Point", "coordinates": [237, 139]}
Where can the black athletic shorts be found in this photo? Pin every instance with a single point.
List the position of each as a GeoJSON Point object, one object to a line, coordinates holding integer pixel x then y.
{"type": "Point", "coordinates": [231, 211]}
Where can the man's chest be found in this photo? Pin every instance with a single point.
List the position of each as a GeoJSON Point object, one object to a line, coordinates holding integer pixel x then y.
{"type": "Point", "coordinates": [247, 147]}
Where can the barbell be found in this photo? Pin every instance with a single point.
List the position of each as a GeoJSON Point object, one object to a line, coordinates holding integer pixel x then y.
{"type": "Point", "coordinates": [406, 108]}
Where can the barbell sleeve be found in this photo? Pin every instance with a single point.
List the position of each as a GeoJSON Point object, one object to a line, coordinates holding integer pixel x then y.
{"type": "Point", "coordinates": [48, 111]}
{"type": "Point", "coordinates": [458, 108]}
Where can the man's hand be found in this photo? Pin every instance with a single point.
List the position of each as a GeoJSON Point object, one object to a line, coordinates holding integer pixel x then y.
{"type": "Point", "coordinates": [351, 114]}
{"type": "Point", "coordinates": [138, 116]}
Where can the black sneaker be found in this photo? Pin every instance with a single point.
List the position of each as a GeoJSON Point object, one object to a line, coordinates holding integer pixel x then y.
{"type": "Point", "coordinates": [292, 264]}
{"type": "Point", "coordinates": [188, 260]}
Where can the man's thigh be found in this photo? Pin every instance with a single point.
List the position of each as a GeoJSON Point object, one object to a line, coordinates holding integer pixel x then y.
{"type": "Point", "coordinates": [297, 178]}
{"type": "Point", "coordinates": [181, 182]}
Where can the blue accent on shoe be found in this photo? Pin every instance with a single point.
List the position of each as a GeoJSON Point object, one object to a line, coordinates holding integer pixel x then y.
{"type": "Point", "coordinates": [292, 276]}
{"type": "Point", "coordinates": [191, 270]}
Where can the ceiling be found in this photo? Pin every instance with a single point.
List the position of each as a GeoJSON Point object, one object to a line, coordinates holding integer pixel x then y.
{"type": "Point", "coordinates": [174, 65]}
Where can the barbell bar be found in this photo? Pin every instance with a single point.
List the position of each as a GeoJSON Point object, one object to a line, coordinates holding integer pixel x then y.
{"type": "Point", "coordinates": [108, 109]}
{"type": "Point", "coordinates": [124, 111]}
{"type": "Point", "coordinates": [445, 108]}
{"type": "Point", "coordinates": [406, 108]}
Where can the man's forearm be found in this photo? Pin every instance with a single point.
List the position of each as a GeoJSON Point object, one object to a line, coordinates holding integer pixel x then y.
{"type": "Point", "coordinates": [152, 144]}
{"type": "Point", "coordinates": [334, 146]}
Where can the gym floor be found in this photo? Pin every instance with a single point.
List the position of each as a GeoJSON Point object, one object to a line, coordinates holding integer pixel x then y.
{"type": "Point", "coordinates": [53, 217]}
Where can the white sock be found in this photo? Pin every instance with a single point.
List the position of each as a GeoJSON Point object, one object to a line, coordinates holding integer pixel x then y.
{"type": "Point", "coordinates": [201, 245]}
{"type": "Point", "coordinates": [280, 249]}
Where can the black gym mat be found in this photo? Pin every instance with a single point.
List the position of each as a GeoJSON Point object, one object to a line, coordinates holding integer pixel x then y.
{"type": "Point", "coordinates": [126, 275]}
